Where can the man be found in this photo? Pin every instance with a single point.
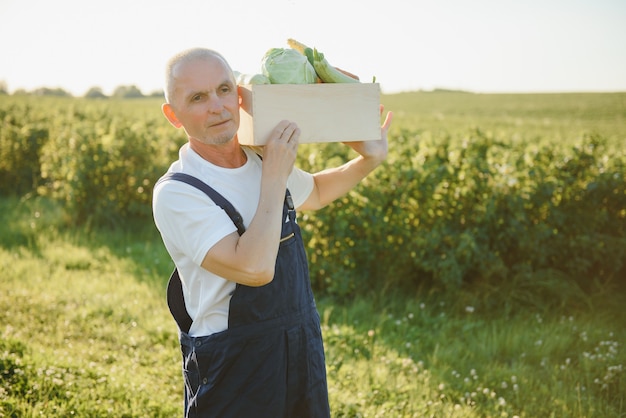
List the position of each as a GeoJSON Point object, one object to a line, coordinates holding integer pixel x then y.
{"type": "Point", "coordinates": [253, 346]}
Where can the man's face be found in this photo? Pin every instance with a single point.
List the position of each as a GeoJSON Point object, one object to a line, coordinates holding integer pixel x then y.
{"type": "Point", "coordinates": [206, 101]}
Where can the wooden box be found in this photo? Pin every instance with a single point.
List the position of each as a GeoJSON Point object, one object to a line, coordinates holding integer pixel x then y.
{"type": "Point", "coordinates": [324, 112]}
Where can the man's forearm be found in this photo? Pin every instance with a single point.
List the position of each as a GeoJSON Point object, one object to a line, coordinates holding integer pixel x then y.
{"type": "Point", "coordinates": [250, 259]}
{"type": "Point", "coordinates": [332, 183]}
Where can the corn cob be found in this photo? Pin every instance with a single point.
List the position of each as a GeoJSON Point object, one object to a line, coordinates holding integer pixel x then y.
{"type": "Point", "coordinates": [298, 46]}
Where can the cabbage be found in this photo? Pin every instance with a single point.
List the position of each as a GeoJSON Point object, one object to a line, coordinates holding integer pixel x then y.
{"type": "Point", "coordinates": [243, 79]}
{"type": "Point", "coordinates": [287, 66]}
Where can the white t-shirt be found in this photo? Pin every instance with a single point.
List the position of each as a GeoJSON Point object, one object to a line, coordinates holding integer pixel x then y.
{"type": "Point", "coordinates": [190, 224]}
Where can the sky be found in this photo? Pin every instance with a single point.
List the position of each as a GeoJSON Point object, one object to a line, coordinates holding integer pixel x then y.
{"type": "Point", "coordinates": [483, 46]}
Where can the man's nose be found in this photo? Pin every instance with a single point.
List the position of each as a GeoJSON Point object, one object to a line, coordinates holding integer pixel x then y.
{"type": "Point", "coordinates": [215, 105]}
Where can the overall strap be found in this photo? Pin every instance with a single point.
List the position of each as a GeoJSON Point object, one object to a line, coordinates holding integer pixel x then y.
{"type": "Point", "coordinates": [213, 195]}
{"type": "Point", "coordinates": [175, 299]}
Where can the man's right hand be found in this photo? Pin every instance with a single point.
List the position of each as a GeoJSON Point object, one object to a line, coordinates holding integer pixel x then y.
{"type": "Point", "coordinates": [281, 149]}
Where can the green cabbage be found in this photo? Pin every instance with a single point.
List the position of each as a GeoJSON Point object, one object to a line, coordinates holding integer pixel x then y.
{"type": "Point", "coordinates": [243, 79]}
{"type": "Point", "coordinates": [287, 66]}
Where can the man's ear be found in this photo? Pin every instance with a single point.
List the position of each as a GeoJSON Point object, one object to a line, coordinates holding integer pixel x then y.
{"type": "Point", "coordinates": [170, 115]}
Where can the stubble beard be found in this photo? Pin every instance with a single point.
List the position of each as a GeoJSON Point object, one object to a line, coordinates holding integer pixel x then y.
{"type": "Point", "coordinates": [218, 139]}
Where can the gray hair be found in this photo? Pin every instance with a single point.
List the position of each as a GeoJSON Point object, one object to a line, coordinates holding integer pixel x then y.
{"type": "Point", "coordinates": [183, 57]}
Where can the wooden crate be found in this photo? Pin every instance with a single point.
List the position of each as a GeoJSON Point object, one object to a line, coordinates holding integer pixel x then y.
{"type": "Point", "coordinates": [330, 112]}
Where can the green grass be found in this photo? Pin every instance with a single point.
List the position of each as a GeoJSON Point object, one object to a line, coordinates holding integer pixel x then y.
{"type": "Point", "coordinates": [431, 359]}
{"type": "Point", "coordinates": [517, 117]}
{"type": "Point", "coordinates": [85, 332]}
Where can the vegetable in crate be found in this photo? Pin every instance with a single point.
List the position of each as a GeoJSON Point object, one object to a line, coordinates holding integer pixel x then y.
{"type": "Point", "coordinates": [326, 72]}
{"type": "Point", "coordinates": [287, 66]}
{"type": "Point", "coordinates": [251, 79]}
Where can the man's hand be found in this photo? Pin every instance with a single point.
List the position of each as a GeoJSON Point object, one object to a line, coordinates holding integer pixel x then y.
{"type": "Point", "coordinates": [281, 149]}
{"type": "Point", "coordinates": [375, 150]}
{"type": "Point", "coordinates": [333, 183]}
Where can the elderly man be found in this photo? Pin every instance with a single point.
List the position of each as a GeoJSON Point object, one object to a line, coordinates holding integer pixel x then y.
{"type": "Point", "coordinates": [249, 329]}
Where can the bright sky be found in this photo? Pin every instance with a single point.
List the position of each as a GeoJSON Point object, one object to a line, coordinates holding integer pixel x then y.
{"type": "Point", "coordinates": [475, 45]}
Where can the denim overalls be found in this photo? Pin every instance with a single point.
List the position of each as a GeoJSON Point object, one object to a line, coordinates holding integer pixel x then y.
{"type": "Point", "coordinates": [270, 361]}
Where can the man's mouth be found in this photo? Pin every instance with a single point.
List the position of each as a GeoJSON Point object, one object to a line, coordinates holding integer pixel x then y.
{"type": "Point", "coordinates": [218, 124]}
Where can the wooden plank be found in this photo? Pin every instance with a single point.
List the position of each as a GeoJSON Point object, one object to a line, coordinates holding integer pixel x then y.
{"type": "Point", "coordinates": [324, 112]}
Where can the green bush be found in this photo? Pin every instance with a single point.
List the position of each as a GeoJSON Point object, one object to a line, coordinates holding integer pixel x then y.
{"type": "Point", "coordinates": [103, 168]}
{"type": "Point", "coordinates": [21, 140]}
{"type": "Point", "coordinates": [451, 212]}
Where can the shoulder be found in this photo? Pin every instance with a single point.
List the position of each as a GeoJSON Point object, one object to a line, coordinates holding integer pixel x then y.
{"type": "Point", "coordinates": [172, 195]}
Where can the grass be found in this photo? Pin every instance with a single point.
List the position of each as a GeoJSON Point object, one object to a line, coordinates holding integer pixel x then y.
{"type": "Point", "coordinates": [559, 117]}
{"type": "Point", "coordinates": [428, 358]}
{"type": "Point", "coordinates": [85, 332]}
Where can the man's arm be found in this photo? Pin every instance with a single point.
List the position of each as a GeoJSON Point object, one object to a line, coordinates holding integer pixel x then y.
{"type": "Point", "coordinates": [333, 183]}
{"type": "Point", "coordinates": [250, 259]}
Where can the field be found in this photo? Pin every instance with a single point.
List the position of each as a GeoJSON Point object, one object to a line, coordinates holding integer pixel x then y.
{"type": "Point", "coordinates": [480, 273]}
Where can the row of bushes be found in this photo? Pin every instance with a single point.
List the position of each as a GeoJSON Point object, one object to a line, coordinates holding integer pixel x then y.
{"type": "Point", "coordinates": [479, 211]}
{"type": "Point", "coordinates": [446, 211]}
{"type": "Point", "coordinates": [99, 161]}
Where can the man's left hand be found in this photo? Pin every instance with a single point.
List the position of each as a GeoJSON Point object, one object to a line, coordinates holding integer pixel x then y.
{"type": "Point", "coordinates": [376, 149]}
